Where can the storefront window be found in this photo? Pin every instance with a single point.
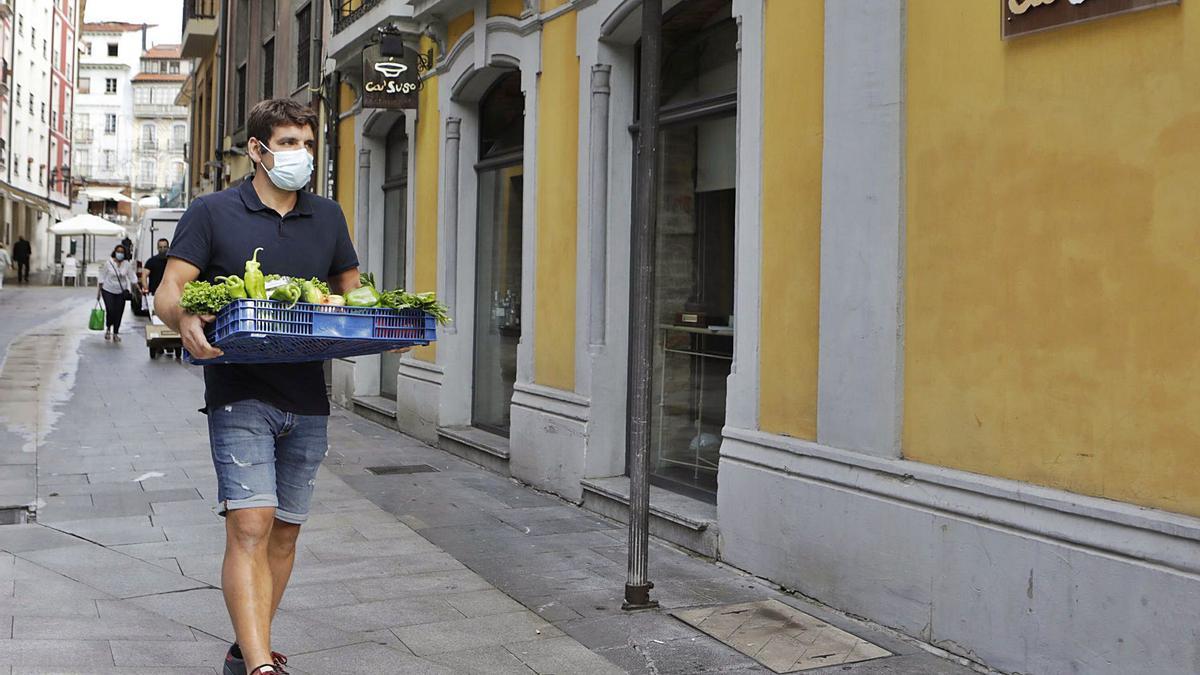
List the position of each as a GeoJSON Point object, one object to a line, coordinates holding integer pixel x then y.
{"type": "Point", "coordinates": [693, 346]}
{"type": "Point", "coordinates": [498, 258]}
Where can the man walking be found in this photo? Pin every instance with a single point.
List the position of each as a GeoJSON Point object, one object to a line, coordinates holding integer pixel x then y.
{"type": "Point", "coordinates": [266, 422]}
{"type": "Point", "coordinates": [21, 254]}
{"type": "Point", "coordinates": [156, 265]}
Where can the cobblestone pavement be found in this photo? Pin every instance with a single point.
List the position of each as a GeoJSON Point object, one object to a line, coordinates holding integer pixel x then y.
{"type": "Point", "coordinates": [452, 571]}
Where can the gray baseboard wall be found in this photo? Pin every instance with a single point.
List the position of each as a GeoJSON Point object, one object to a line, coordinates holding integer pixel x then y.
{"type": "Point", "coordinates": [1021, 578]}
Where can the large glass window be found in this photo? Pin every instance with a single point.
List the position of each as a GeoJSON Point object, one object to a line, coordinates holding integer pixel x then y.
{"type": "Point", "coordinates": [498, 249]}
{"type": "Point", "coordinates": [694, 250]}
{"type": "Point", "coordinates": [395, 216]}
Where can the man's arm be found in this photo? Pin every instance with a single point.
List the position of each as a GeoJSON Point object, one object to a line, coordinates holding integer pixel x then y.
{"type": "Point", "coordinates": [343, 283]}
{"type": "Point", "coordinates": [166, 305]}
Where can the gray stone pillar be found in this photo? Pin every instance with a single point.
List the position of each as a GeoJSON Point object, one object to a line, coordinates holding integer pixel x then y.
{"type": "Point", "coordinates": [450, 213]}
{"type": "Point", "coordinates": [362, 212]}
{"type": "Point", "coordinates": [860, 375]}
{"type": "Point", "coordinates": [598, 206]}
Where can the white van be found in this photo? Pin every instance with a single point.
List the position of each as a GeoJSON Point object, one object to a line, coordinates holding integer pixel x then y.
{"type": "Point", "coordinates": [156, 224]}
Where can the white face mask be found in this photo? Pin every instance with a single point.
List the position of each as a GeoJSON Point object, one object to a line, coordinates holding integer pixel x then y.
{"type": "Point", "coordinates": [292, 169]}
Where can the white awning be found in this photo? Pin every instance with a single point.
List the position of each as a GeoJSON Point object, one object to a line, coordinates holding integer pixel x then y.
{"type": "Point", "coordinates": [102, 194]}
{"type": "Point", "coordinates": [86, 223]}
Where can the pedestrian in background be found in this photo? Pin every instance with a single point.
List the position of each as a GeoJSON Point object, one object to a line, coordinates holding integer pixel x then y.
{"type": "Point", "coordinates": [118, 283]}
{"type": "Point", "coordinates": [156, 265]}
{"type": "Point", "coordinates": [21, 253]}
{"type": "Point", "coordinates": [5, 263]}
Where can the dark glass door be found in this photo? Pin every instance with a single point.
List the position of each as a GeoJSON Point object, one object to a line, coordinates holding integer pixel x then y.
{"type": "Point", "coordinates": [395, 216]}
{"type": "Point", "coordinates": [498, 248]}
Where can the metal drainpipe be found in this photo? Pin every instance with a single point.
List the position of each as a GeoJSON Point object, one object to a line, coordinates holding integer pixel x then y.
{"type": "Point", "coordinates": [333, 119]}
{"type": "Point", "coordinates": [641, 333]}
{"type": "Point", "coordinates": [219, 64]}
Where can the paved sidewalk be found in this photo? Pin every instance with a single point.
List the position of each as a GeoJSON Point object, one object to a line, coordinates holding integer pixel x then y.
{"type": "Point", "coordinates": [456, 570]}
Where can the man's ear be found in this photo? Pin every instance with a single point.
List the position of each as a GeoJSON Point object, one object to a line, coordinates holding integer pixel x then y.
{"type": "Point", "coordinates": [253, 149]}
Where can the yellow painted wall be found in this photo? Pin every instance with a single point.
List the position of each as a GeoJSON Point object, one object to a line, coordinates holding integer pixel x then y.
{"type": "Point", "coordinates": [791, 217]}
{"type": "Point", "coordinates": [506, 7]}
{"type": "Point", "coordinates": [557, 192]}
{"type": "Point", "coordinates": [426, 206]}
{"type": "Point", "coordinates": [548, 5]}
{"type": "Point", "coordinates": [1053, 290]}
{"type": "Point", "coordinates": [346, 166]}
{"type": "Point", "coordinates": [458, 27]}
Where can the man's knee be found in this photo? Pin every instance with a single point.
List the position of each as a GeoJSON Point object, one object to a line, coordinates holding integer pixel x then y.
{"type": "Point", "coordinates": [249, 528]}
{"type": "Point", "coordinates": [283, 538]}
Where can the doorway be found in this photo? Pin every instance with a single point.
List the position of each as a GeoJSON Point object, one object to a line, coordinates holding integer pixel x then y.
{"type": "Point", "coordinates": [395, 218]}
{"type": "Point", "coordinates": [498, 253]}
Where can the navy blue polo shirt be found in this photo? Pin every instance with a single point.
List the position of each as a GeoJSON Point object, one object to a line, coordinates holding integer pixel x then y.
{"type": "Point", "coordinates": [219, 233]}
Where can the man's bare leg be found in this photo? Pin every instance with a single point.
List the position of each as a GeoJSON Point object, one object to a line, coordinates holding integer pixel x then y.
{"type": "Point", "coordinates": [246, 578]}
{"type": "Point", "coordinates": [282, 555]}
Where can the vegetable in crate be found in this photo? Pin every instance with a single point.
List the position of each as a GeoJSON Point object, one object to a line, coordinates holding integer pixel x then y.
{"type": "Point", "coordinates": [290, 293]}
{"type": "Point", "coordinates": [256, 288]}
{"type": "Point", "coordinates": [201, 297]}
{"type": "Point", "coordinates": [426, 302]}
{"type": "Point", "coordinates": [237, 287]}
{"type": "Point", "coordinates": [313, 294]}
{"type": "Point", "coordinates": [365, 295]}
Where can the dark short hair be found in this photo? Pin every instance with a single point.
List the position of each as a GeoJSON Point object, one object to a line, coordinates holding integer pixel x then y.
{"type": "Point", "coordinates": [278, 112]}
{"type": "Point", "coordinates": [162, 240]}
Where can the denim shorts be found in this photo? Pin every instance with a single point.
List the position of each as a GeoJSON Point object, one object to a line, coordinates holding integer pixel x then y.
{"type": "Point", "coordinates": [266, 457]}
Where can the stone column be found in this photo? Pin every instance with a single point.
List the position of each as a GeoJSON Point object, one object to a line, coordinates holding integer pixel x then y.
{"type": "Point", "coordinates": [598, 206]}
{"type": "Point", "coordinates": [450, 215]}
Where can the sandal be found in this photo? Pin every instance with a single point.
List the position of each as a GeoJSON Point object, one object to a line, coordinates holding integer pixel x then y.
{"type": "Point", "coordinates": [265, 669]}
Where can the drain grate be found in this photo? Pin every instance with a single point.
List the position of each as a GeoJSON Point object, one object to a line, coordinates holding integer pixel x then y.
{"type": "Point", "coordinates": [401, 469]}
{"type": "Point", "coordinates": [14, 515]}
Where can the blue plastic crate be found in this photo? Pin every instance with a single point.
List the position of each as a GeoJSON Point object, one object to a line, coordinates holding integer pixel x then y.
{"type": "Point", "coordinates": [268, 331]}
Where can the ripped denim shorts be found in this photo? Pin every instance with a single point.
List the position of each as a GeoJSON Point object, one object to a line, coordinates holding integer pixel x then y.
{"type": "Point", "coordinates": [266, 457]}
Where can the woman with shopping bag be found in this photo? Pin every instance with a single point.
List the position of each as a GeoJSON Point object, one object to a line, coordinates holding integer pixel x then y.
{"type": "Point", "coordinates": [117, 285]}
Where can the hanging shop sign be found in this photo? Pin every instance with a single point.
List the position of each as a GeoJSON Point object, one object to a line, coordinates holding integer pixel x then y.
{"type": "Point", "coordinates": [391, 76]}
{"type": "Point", "coordinates": [1022, 17]}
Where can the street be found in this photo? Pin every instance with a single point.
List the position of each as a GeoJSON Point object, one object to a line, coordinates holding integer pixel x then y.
{"type": "Point", "coordinates": [449, 569]}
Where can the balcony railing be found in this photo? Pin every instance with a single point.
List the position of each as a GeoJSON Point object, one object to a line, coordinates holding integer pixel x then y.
{"type": "Point", "coordinates": [176, 146]}
{"type": "Point", "coordinates": [148, 145]}
{"type": "Point", "coordinates": [159, 110]}
{"type": "Point", "coordinates": [144, 183]}
{"type": "Point", "coordinates": [346, 12]}
{"type": "Point", "coordinates": [199, 9]}
{"type": "Point", "coordinates": [85, 137]}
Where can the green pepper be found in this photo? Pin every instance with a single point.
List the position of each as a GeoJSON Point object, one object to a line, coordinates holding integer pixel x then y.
{"type": "Point", "coordinates": [363, 296]}
{"type": "Point", "coordinates": [237, 287]}
{"type": "Point", "coordinates": [312, 294]}
{"type": "Point", "coordinates": [289, 293]}
{"type": "Point", "coordinates": [253, 278]}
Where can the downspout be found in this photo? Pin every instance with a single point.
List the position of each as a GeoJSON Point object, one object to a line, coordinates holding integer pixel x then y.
{"type": "Point", "coordinates": [314, 93]}
{"type": "Point", "coordinates": [219, 65]}
{"type": "Point", "coordinates": [333, 120]}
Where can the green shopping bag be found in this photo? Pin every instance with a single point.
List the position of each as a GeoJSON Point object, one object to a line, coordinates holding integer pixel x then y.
{"type": "Point", "coordinates": [96, 320]}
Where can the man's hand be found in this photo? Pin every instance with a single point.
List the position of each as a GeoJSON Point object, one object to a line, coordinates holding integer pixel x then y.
{"type": "Point", "coordinates": [402, 350]}
{"type": "Point", "coordinates": [191, 331]}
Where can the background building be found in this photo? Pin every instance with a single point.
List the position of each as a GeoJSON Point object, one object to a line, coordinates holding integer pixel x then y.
{"type": "Point", "coordinates": [272, 49]}
{"type": "Point", "coordinates": [110, 56]}
{"type": "Point", "coordinates": [160, 126]}
{"type": "Point", "coordinates": [40, 49]}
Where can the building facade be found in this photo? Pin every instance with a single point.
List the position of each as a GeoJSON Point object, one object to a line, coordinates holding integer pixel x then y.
{"type": "Point", "coordinates": [267, 49]}
{"type": "Point", "coordinates": [40, 44]}
{"type": "Point", "coordinates": [904, 361]}
{"type": "Point", "coordinates": [160, 126]}
{"type": "Point", "coordinates": [110, 56]}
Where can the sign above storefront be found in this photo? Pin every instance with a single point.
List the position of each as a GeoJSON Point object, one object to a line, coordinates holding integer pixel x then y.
{"type": "Point", "coordinates": [1022, 17]}
{"type": "Point", "coordinates": [391, 77]}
